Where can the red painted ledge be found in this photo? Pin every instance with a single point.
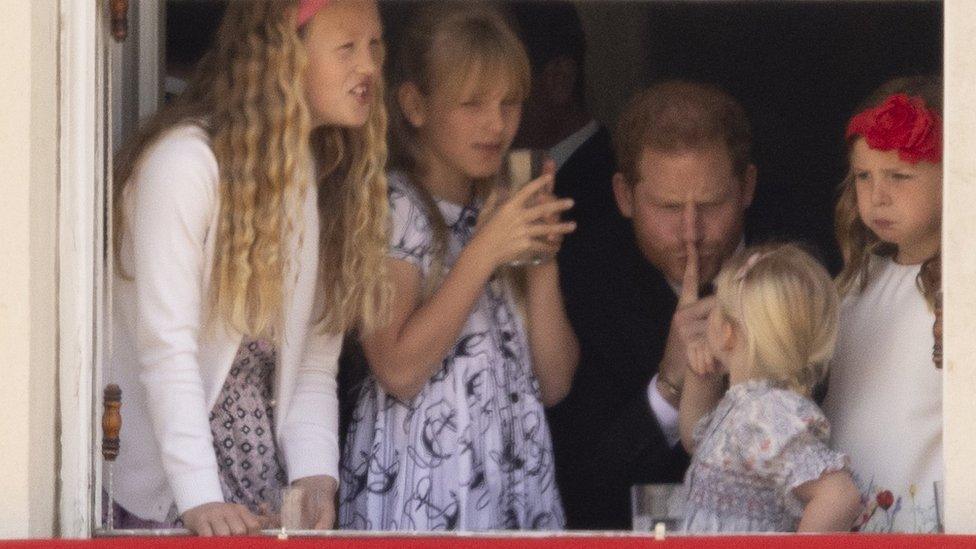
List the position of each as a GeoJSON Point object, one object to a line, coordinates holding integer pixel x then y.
{"type": "Point", "coordinates": [848, 541]}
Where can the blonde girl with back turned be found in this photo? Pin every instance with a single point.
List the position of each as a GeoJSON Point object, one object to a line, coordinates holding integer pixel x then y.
{"type": "Point", "coordinates": [885, 393]}
{"type": "Point", "coordinates": [449, 431]}
{"type": "Point", "coordinates": [760, 458]}
{"type": "Point", "coordinates": [229, 292]}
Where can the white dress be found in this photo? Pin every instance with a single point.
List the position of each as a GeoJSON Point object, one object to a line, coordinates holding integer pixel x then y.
{"type": "Point", "coordinates": [884, 401]}
{"type": "Point", "coordinates": [472, 450]}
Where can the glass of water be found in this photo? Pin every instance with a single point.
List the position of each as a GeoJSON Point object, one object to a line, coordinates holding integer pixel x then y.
{"type": "Point", "coordinates": [651, 504]}
{"type": "Point", "coordinates": [524, 165]}
{"type": "Point", "coordinates": [938, 494]}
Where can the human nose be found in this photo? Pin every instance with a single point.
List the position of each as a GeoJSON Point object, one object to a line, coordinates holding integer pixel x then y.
{"type": "Point", "coordinates": [495, 118]}
{"type": "Point", "coordinates": [368, 61]}
{"type": "Point", "coordinates": [691, 224]}
{"type": "Point", "coordinates": [880, 193]}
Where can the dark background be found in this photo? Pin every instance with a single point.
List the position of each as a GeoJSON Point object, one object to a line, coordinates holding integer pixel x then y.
{"type": "Point", "coordinates": [800, 69]}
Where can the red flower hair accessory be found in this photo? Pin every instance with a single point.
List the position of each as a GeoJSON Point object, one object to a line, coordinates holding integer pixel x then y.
{"type": "Point", "coordinates": [901, 123]}
{"type": "Point", "coordinates": [308, 8]}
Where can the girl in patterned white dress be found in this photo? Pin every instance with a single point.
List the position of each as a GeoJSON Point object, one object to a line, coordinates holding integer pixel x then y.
{"type": "Point", "coordinates": [760, 458]}
{"type": "Point", "coordinates": [225, 345]}
{"type": "Point", "coordinates": [885, 393]}
{"type": "Point", "coordinates": [449, 431]}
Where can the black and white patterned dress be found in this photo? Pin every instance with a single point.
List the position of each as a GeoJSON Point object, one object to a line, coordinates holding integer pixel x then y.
{"type": "Point", "coordinates": [471, 451]}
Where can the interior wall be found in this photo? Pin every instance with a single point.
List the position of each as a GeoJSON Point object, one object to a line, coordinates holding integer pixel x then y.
{"type": "Point", "coordinates": [959, 267]}
{"type": "Point", "coordinates": [43, 264]}
{"type": "Point", "coordinates": [15, 256]}
{"type": "Point", "coordinates": [28, 148]}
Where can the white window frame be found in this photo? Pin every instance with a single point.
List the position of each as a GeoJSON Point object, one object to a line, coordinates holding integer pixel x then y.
{"type": "Point", "coordinates": [83, 287]}
{"type": "Point", "coordinates": [81, 274]}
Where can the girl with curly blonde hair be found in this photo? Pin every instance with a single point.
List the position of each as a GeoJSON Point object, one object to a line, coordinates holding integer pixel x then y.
{"type": "Point", "coordinates": [250, 232]}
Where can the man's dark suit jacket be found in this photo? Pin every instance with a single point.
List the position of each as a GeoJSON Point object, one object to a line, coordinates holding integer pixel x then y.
{"type": "Point", "coordinates": [604, 434]}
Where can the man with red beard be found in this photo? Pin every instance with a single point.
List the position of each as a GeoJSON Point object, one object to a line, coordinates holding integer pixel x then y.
{"type": "Point", "coordinates": [685, 178]}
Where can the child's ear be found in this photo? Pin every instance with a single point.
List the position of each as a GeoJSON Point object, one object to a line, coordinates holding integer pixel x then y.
{"type": "Point", "coordinates": [624, 194]}
{"type": "Point", "coordinates": [411, 102]}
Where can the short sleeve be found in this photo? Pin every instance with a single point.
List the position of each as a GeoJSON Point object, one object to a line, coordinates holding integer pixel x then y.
{"type": "Point", "coordinates": [410, 235]}
{"type": "Point", "coordinates": [792, 446]}
{"type": "Point", "coordinates": [806, 458]}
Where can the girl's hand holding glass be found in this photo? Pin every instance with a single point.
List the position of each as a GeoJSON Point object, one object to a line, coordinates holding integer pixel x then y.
{"type": "Point", "coordinates": [521, 225]}
{"type": "Point", "coordinates": [524, 166]}
{"type": "Point", "coordinates": [554, 239]}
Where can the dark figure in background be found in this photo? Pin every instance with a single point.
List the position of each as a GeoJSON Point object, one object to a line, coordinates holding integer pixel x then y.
{"type": "Point", "coordinates": [619, 305]}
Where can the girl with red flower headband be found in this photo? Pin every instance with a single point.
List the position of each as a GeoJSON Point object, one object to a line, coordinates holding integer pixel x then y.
{"type": "Point", "coordinates": [885, 396]}
{"type": "Point", "coordinates": [250, 229]}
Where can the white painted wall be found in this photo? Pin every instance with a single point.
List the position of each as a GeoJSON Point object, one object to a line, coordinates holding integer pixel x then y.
{"type": "Point", "coordinates": [28, 167]}
{"type": "Point", "coordinates": [43, 261]}
{"type": "Point", "coordinates": [15, 275]}
{"type": "Point", "coordinates": [959, 260]}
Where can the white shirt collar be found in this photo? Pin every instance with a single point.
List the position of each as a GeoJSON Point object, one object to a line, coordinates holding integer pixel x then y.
{"type": "Point", "coordinates": [560, 152]}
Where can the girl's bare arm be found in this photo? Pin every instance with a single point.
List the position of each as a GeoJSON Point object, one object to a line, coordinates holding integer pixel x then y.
{"type": "Point", "coordinates": [555, 350]}
{"type": "Point", "coordinates": [832, 503]}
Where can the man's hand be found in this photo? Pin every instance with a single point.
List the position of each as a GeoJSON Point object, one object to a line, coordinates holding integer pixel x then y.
{"type": "Point", "coordinates": [685, 346]}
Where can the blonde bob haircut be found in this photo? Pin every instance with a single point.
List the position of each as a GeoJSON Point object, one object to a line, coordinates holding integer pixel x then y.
{"type": "Point", "coordinates": [450, 48]}
{"type": "Point", "coordinates": [786, 305]}
{"type": "Point", "coordinates": [248, 95]}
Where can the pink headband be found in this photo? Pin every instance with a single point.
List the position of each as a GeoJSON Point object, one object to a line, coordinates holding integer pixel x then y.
{"type": "Point", "coordinates": [308, 8]}
{"type": "Point", "coordinates": [740, 275]}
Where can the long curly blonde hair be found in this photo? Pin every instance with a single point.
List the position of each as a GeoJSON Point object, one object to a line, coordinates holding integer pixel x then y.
{"type": "Point", "coordinates": [858, 244]}
{"type": "Point", "coordinates": [248, 94]}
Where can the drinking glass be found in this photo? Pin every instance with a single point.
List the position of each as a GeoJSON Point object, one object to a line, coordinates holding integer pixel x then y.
{"type": "Point", "coordinates": [938, 493]}
{"type": "Point", "coordinates": [291, 508]}
{"type": "Point", "coordinates": [525, 165]}
{"type": "Point", "coordinates": [651, 504]}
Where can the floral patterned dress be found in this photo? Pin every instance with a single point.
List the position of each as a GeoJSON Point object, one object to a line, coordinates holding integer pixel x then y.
{"type": "Point", "coordinates": [752, 450]}
{"type": "Point", "coordinates": [471, 451]}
